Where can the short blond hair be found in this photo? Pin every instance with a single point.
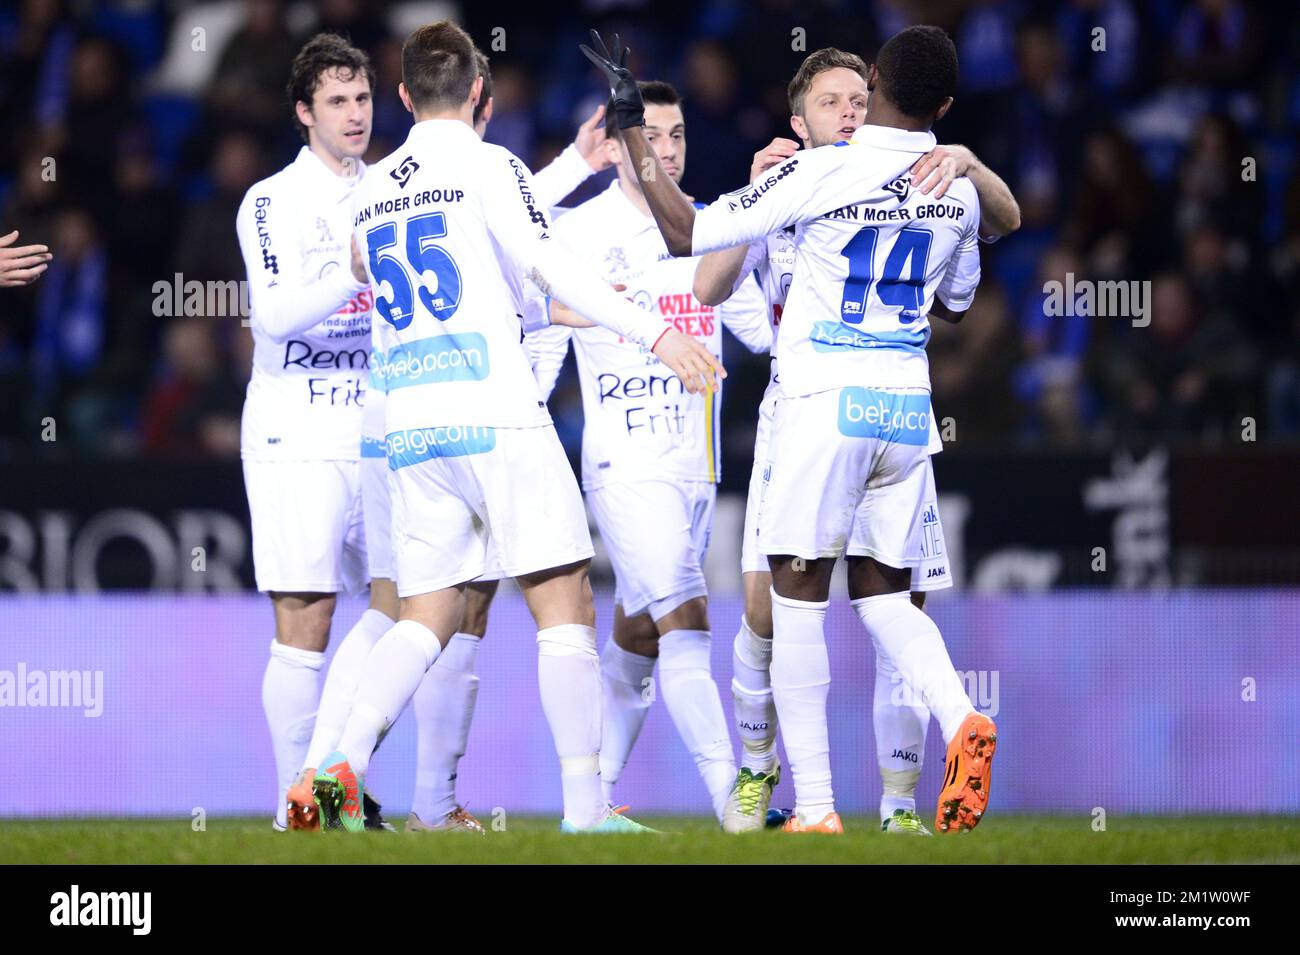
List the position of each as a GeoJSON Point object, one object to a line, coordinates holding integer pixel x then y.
{"type": "Point", "coordinates": [820, 61]}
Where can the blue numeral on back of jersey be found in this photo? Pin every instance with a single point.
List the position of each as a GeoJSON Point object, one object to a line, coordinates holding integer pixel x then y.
{"type": "Point", "coordinates": [861, 253]}
{"type": "Point", "coordinates": [400, 309]}
{"type": "Point", "coordinates": [911, 246]}
{"type": "Point", "coordinates": [910, 252]}
{"type": "Point", "coordinates": [423, 257]}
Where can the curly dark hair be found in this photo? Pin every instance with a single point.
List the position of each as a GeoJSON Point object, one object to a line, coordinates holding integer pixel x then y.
{"type": "Point", "coordinates": [918, 70]}
{"type": "Point", "coordinates": [322, 53]}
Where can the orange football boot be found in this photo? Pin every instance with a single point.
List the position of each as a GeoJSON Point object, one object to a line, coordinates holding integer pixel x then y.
{"type": "Point", "coordinates": [965, 794]}
{"type": "Point", "coordinates": [303, 813]}
{"type": "Point", "coordinates": [830, 825]}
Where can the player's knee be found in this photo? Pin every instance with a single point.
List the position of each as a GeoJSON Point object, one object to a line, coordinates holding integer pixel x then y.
{"type": "Point", "coordinates": [561, 596]}
{"type": "Point", "coordinates": [478, 601]}
{"type": "Point", "coordinates": [797, 578]}
{"type": "Point", "coordinates": [693, 614]}
{"type": "Point", "coordinates": [758, 604]}
{"type": "Point", "coordinates": [868, 577]}
{"type": "Point", "coordinates": [383, 597]}
{"type": "Point", "coordinates": [303, 622]}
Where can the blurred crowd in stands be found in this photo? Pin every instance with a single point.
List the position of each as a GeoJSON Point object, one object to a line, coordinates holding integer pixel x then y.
{"type": "Point", "coordinates": [134, 127]}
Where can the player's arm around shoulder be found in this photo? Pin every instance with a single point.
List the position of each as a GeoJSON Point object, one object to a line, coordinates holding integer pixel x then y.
{"type": "Point", "coordinates": [798, 189]}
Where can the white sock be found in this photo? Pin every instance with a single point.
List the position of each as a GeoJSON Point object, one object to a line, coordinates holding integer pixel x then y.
{"type": "Point", "coordinates": [392, 674]}
{"type": "Point", "coordinates": [900, 721]}
{"type": "Point", "coordinates": [290, 695]}
{"type": "Point", "coordinates": [751, 695]}
{"type": "Point", "coordinates": [444, 708]}
{"type": "Point", "coordinates": [911, 641]}
{"type": "Point", "coordinates": [801, 681]}
{"type": "Point", "coordinates": [568, 675]}
{"type": "Point", "coordinates": [341, 684]}
{"type": "Point", "coordinates": [627, 698]}
{"type": "Point", "coordinates": [691, 695]}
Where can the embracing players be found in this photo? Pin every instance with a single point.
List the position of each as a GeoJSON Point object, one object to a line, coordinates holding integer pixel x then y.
{"type": "Point", "coordinates": [479, 482]}
{"type": "Point", "coordinates": [650, 460]}
{"type": "Point", "coordinates": [828, 101]}
{"type": "Point", "coordinates": [873, 259]}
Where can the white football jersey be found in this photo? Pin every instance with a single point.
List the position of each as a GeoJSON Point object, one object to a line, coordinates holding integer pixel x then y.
{"type": "Point", "coordinates": [770, 264]}
{"type": "Point", "coordinates": [310, 317]}
{"type": "Point", "coordinates": [451, 226]}
{"type": "Point", "coordinates": [564, 174]}
{"type": "Point", "coordinates": [639, 421]}
{"type": "Point", "coordinates": [871, 253]}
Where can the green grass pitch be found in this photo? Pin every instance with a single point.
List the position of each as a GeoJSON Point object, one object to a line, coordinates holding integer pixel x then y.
{"type": "Point", "coordinates": [1003, 839]}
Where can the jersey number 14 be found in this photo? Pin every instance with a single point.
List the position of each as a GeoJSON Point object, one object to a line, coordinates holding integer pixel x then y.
{"type": "Point", "coordinates": [910, 252]}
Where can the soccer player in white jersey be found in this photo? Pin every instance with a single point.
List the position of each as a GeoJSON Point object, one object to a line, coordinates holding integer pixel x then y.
{"type": "Point", "coordinates": [444, 706]}
{"type": "Point", "coordinates": [310, 317]}
{"type": "Point", "coordinates": [873, 258]}
{"type": "Point", "coordinates": [828, 101]}
{"type": "Point", "coordinates": [650, 461]}
{"type": "Point", "coordinates": [451, 228]}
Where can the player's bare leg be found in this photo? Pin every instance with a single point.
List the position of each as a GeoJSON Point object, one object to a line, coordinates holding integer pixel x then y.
{"type": "Point", "coordinates": [444, 709]}
{"type": "Point", "coordinates": [801, 679]}
{"type": "Point", "coordinates": [912, 642]}
{"type": "Point", "coordinates": [291, 685]}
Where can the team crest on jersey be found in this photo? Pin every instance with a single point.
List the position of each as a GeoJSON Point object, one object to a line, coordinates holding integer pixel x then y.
{"type": "Point", "coordinates": [616, 260]}
{"type": "Point", "coordinates": [899, 187]}
{"type": "Point", "coordinates": [402, 174]}
{"type": "Point", "coordinates": [323, 228]}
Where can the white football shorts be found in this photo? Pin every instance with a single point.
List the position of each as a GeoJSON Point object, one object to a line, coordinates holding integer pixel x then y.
{"type": "Point", "coordinates": [657, 533]}
{"type": "Point", "coordinates": [933, 571]}
{"type": "Point", "coordinates": [308, 528]}
{"type": "Point", "coordinates": [474, 503]}
{"type": "Point", "coordinates": [847, 465]}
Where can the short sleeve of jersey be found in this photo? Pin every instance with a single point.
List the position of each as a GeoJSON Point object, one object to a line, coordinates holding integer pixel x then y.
{"type": "Point", "coordinates": [957, 288]}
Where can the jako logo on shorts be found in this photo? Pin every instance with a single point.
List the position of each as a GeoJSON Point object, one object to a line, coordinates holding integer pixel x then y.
{"type": "Point", "coordinates": [453, 441]}
{"type": "Point", "coordinates": [431, 360]}
{"type": "Point", "coordinates": [898, 418]}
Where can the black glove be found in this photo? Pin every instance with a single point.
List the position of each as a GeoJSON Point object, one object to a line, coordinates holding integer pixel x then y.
{"type": "Point", "coordinates": [629, 110]}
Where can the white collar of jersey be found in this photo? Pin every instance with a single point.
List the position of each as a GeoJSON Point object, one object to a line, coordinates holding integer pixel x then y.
{"type": "Point", "coordinates": [313, 165]}
{"type": "Point", "coordinates": [625, 206]}
{"type": "Point", "coordinates": [441, 127]}
{"type": "Point", "coordinates": [888, 137]}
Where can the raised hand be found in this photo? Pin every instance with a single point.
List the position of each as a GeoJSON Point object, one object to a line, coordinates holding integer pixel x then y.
{"type": "Point", "coordinates": [629, 109]}
{"type": "Point", "coordinates": [591, 139]}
